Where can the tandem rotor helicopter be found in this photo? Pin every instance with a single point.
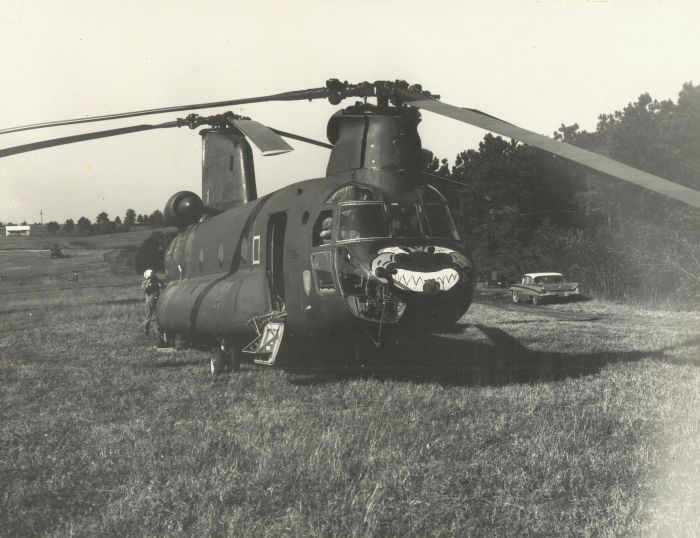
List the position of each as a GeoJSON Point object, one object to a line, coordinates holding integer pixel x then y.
{"type": "Point", "coordinates": [355, 258]}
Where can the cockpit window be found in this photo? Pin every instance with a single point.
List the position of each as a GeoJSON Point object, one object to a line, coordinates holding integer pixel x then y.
{"type": "Point", "coordinates": [323, 228]}
{"type": "Point", "coordinates": [354, 193]}
{"type": "Point", "coordinates": [323, 271]}
{"type": "Point", "coordinates": [404, 221]}
{"type": "Point", "coordinates": [437, 221]}
{"type": "Point", "coordinates": [362, 220]}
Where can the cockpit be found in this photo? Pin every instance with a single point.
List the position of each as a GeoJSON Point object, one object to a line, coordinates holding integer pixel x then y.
{"type": "Point", "coordinates": [376, 251]}
{"type": "Point", "coordinates": [365, 213]}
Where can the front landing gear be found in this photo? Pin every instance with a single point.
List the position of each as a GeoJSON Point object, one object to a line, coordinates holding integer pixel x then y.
{"type": "Point", "coordinates": [217, 361]}
{"type": "Point", "coordinates": [225, 357]}
{"type": "Point", "coordinates": [366, 355]}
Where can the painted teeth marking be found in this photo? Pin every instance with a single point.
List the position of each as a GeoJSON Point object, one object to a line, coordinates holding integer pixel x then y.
{"type": "Point", "coordinates": [414, 280]}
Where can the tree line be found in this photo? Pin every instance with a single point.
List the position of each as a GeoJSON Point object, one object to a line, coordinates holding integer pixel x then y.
{"type": "Point", "coordinates": [520, 209]}
{"type": "Point", "coordinates": [103, 224]}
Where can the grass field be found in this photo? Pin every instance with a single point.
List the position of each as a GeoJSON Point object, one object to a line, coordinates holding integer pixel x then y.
{"type": "Point", "coordinates": [563, 420]}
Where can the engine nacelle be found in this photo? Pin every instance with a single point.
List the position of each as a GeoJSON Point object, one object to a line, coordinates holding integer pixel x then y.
{"type": "Point", "coordinates": [182, 209]}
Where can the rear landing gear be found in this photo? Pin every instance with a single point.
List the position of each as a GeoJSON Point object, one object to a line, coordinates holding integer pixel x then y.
{"type": "Point", "coordinates": [161, 338]}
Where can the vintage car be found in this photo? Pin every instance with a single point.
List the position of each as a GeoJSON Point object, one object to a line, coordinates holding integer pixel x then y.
{"type": "Point", "coordinates": [539, 287]}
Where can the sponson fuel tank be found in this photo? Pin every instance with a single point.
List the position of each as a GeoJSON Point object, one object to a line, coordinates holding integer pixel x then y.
{"type": "Point", "coordinates": [213, 282]}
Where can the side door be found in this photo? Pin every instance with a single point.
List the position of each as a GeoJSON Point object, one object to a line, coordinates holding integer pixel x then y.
{"type": "Point", "coordinates": [274, 260]}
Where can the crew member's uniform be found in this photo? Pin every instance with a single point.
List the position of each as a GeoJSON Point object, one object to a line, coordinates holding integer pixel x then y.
{"type": "Point", "coordinates": [151, 287]}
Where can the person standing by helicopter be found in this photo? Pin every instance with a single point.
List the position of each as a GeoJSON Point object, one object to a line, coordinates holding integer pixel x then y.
{"type": "Point", "coordinates": [151, 286]}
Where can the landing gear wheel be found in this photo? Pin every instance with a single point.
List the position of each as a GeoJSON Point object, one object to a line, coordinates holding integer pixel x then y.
{"type": "Point", "coordinates": [217, 361]}
{"type": "Point", "coordinates": [233, 362]}
{"type": "Point", "coordinates": [516, 298]}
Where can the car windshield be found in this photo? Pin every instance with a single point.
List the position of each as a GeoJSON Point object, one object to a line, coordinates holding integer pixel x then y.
{"type": "Point", "coordinates": [549, 279]}
{"type": "Point", "coordinates": [363, 220]}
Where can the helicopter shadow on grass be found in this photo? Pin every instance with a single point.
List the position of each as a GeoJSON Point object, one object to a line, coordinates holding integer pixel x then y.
{"type": "Point", "coordinates": [501, 361]}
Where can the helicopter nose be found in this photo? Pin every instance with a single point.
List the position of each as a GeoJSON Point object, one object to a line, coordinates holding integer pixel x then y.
{"type": "Point", "coordinates": [420, 269]}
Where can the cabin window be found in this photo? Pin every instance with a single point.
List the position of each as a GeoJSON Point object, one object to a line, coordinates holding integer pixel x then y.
{"type": "Point", "coordinates": [323, 272]}
{"type": "Point", "coordinates": [323, 229]}
{"type": "Point", "coordinates": [437, 221]}
{"type": "Point", "coordinates": [354, 192]}
{"type": "Point", "coordinates": [200, 259]}
{"type": "Point", "coordinates": [256, 249]}
{"type": "Point", "coordinates": [404, 221]}
{"type": "Point", "coordinates": [220, 257]}
{"type": "Point", "coordinates": [362, 221]}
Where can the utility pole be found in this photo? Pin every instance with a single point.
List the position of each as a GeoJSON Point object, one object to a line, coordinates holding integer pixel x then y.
{"type": "Point", "coordinates": [41, 214]}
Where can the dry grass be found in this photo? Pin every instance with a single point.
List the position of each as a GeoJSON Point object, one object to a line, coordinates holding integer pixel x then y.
{"type": "Point", "coordinates": [514, 423]}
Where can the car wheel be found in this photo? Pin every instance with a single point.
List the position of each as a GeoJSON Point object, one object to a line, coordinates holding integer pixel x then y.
{"type": "Point", "coordinates": [217, 361]}
{"type": "Point", "coordinates": [516, 298]}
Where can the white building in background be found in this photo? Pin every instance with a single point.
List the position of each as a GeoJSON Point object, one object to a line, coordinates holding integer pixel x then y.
{"type": "Point", "coordinates": [17, 230]}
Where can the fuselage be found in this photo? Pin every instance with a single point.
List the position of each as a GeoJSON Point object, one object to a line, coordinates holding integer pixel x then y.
{"type": "Point", "coordinates": [364, 247]}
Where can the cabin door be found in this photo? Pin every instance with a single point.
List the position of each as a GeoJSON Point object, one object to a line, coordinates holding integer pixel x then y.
{"type": "Point", "coordinates": [275, 259]}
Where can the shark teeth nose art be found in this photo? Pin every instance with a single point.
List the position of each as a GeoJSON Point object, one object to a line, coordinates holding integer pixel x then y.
{"type": "Point", "coordinates": [415, 280]}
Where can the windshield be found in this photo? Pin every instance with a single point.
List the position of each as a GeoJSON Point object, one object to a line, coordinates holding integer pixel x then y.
{"type": "Point", "coordinates": [404, 221]}
{"type": "Point", "coordinates": [359, 221]}
{"type": "Point", "coordinates": [437, 221]}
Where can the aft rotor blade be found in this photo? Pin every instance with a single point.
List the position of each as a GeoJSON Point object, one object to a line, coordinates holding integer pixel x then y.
{"type": "Point", "coordinates": [82, 138]}
{"type": "Point", "coordinates": [592, 161]}
{"type": "Point", "coordinates": [265, 139]}
{"type": "Point", "coordinates": [314, 93]}
{"type": "Point", "coordinates": [302, 139]}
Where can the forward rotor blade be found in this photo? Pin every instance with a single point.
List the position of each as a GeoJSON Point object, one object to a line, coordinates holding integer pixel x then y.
{"type": "Point", "coordinates": [82, 138]}
{"type": "Point", "coordinates": [314, 93]}
{"type": "Point", "coordinates": [592, 161]}
{"type": "Point", "coordinates": [266, 140]}
{"type": "Point", "coordinates": [445, 179]}
{"type": "Point", "coordinates": [302, 139]}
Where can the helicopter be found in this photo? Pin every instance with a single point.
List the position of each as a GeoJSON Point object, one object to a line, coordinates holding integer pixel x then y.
{"type": "Point", "coordinates": [357, 259]}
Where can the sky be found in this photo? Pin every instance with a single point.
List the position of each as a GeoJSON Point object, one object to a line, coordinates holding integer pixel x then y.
{"type": "Point", "coordinates": [537, 64]}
